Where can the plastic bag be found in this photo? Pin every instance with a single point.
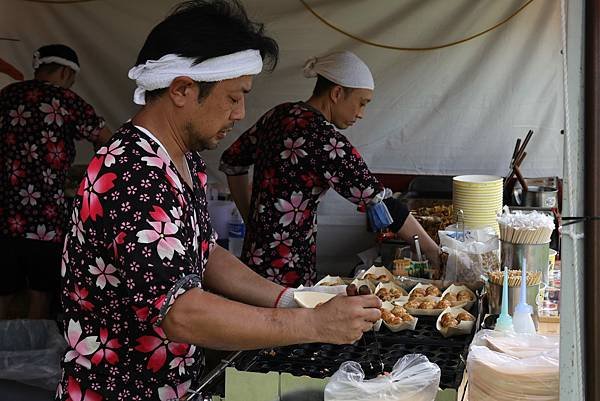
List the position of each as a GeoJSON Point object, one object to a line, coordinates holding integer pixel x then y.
{"type": "Point", "coordinates": [30, 352]}
{"type": "Point", "coordinates": [413, 378]}
{"type": "Point", "coordinates": [515, 367]}
{"type": "Point", "coordinates": [469, 259]}
{"type": "Point", "coordinates": [517, 345]}
{"type": "Point", "coordinates": [494, 376]}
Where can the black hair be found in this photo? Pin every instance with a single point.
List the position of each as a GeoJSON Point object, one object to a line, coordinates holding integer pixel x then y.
{"type": "Point", "coordinates": [324, 85]}
{"type": "Point", "coordinates": [48, 68]}
{"type": "Point", "coordinates": [204, 29]}
{"type": "Point", "coordinates": [58, 50]}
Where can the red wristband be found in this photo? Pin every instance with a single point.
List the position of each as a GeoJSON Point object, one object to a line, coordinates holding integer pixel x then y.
{"type": "Point", "coordinates": [279, 297]}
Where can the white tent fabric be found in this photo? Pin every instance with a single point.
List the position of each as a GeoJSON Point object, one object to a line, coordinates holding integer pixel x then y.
{"type": "Point", "coordinates": [456, 110]}
{"type": "Point", "coordinates": [449, 111]}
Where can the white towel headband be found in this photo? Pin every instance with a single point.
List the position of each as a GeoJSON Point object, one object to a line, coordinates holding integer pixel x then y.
{"type": "Point", "coordinates": [158, 74]}
{"type": "Point", "coordinates": [343, 68]}
{"type": "Point", "coordinates": [37, 61]}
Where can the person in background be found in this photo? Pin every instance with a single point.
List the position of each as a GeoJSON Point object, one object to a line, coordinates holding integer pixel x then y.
{"type": "Point", "coordinates": [298, 154]}
{"type": "Point", "coordinates": [145, 287]}
{"type": "Point", "coordinates": [40, 120]}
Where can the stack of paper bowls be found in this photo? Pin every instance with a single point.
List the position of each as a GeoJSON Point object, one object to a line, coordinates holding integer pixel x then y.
{"type": "Point", "coordinates": [480, 199]}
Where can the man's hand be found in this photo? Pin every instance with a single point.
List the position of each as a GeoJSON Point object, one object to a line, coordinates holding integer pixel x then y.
{"type": "Point", "coordinates": [344, 319]}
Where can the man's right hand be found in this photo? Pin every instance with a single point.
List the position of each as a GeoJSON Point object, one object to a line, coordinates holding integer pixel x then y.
{"type": "Point", "coordinates": [344, 319]}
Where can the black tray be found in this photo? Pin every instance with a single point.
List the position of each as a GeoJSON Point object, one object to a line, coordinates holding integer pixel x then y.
{"type": "Point", "coordinates": [322, 360]}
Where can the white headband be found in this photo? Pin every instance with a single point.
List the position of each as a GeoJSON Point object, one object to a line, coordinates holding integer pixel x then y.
{"type": "Point", "coordinates": [342, 68]}
{"type": "Point", "coordinates": [37, 61]}
{"type": "Point", "coordinates": [158, 74]}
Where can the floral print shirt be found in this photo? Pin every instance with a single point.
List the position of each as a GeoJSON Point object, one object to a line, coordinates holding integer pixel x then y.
{"type": "Point", "coordinates": [39, 123]}
{"type": "Point", "coordinates": [297, 156]}
{"type": "Point", "coordinates": [139, 238]}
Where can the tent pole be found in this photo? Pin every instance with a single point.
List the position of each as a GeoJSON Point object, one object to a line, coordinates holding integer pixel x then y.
{"type": "Point", "coordinates": [592, 199]}
{"type": "Point", "coordinates": [572, 315]}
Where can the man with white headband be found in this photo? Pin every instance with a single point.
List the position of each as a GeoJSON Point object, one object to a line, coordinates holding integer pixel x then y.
{"type": "Point", "coordinates": [145, 286]}
{"type": "Point", "coordinates": [298, 154]}
{"type": "Point", "coordinates": [40, 120]}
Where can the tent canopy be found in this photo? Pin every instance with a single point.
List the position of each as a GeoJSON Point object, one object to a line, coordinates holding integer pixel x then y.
{"type": "Point", "coordinates": [449, 111]}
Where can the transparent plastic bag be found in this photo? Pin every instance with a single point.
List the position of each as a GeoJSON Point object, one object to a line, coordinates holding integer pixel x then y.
{"type": "Point", "coordinates": [30, 352]}
{"type": "Point", "coordinates": [469, 259]}
{"type": "Point", "coordinates": [413, 378]}
{"type": "Point", "coordinates": [494, 376]}
{"type": "Point", "coordinates": [513, 367]}
{"type": "Point", "coordinates": [517, 345]}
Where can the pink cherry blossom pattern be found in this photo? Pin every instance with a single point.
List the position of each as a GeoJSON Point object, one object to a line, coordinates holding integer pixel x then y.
{"type": "Point", "coordinates": [293, 149]}
{"type": "Point", "coordinates": [180, 362]}
{"type": "Point", "coordinates": [168, 393]}
{"type": "Point", "coordinates": [48, 136]}
{"type": "Point", "coordinates": [203, 178]}
{"type": "Point", "coordinates": [269, 180]}
{"type": "Point", "coordinates": [106, 350]}
{"type": "Point", "coordinates": [54, 112]}
{"type": "Point", "coordinates": [158, 346]}
{"type": "Point", "coordinates": [298, 118]}
{"type": "Point", "coordinates": [79, 348]}
{"type": "Point", "coordinates": [110, 151]}
{"type": "Point", "coordinates": [30, 195]}
{"type": "Point", "coordinates": [290, 278]}
{"type": "Point", "coordinates": [48, 176]}
{"type": "Point", "coordinates": [56, 155]}
{"type": "Point", "coordinates": [293, 210]}
{"type": "Point", "coordinates": [160, 159]}
{"type": "Point", "coordinates": [16, 223]}
{"type": "Point", "coordinates": [334, 147]}
{"type": "Point", "coordinates": [41, 234]}
{"type": "Point", "coordinates": [76, 394]}
{"type": "Point", "coordinates": [361, 196]}
{"type": "Point", "coordinates": [92, 186]}
{"type": "Point", "coordinates": [104, 273]}
{"type": "Point", "coordinates": [255, 255]}
{"type": "Point", "coordinates": [163, 232]}
{"type": "Point", "coordinates": [29, 152]}
{"type": "Point", "coordinates": [332, 180]}
{"type": "Point", "coordinates": [16, 172]}
{"type": "Point", "coordinates": [77, 226]}
{"type": "Point", "coordinates": [286, 257]}
{"type": "Point", "coordinates": [79, 295]}
{"type": "Point", "coordinates": [19, 116]}
{"type": "Point", "coordinates": [281, 238]}
{"type": "Point", "coordinates": [118, 240]}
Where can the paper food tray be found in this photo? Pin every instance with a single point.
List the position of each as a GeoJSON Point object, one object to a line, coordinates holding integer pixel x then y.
{"type": "Point", "coordinates": [463, 328]}
{"type": "Point", "coordinates": [309, 299]}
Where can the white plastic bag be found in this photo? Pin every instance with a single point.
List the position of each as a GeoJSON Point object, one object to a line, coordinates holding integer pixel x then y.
{"type": "Point", "coordinates": [469, 259]}
{"type": "Point", "coordinates": [494, 376]}
{"type": "Point", "coordinates": [517, 345]}
{"type": "Point", "coordinates": [30, 352]}
{"type": "Point", "coordinates": [413, 378]}
{"type": "Point", "coordinates": [513, 367]}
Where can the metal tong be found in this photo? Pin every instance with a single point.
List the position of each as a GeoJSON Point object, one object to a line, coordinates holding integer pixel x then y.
{"type": "Point", "coordinates": [351, 290]}
{"type": "Point", "coordinates": [210, 376]}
